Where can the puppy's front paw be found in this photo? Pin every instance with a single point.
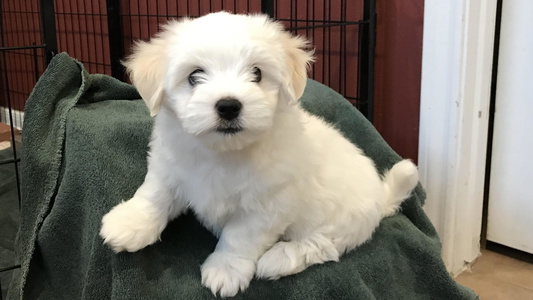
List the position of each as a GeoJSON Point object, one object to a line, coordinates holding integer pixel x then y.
{"type": "Point", "coordinates": [129, 226]}
{"type": "Point", "coordinates": [226, 274]}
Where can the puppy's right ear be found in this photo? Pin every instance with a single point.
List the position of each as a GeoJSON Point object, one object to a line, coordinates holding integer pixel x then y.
{"type": "Point", "coordinates": [146, 68]}
{"type": "Point", "coordinates": [298, 60]}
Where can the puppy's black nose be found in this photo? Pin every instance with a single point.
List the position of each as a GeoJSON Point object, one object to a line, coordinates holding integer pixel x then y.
{"type": "Point", "coordinates": [228, 109]}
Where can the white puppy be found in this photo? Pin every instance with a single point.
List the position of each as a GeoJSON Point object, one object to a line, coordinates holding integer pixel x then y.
{"type": "Point", "coordinates": [281, 188]}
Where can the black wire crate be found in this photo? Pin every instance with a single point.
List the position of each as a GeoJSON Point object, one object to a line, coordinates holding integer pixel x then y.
{"type": "Point", "coordinates": [343, 33]}
{"type": "Point", "coordinates": [20, 68]}
{"type": "Point", "coordinates": [22, 61]}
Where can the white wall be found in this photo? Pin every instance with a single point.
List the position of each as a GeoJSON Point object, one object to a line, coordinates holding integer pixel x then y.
{"type": "Point", "coordinates": [510, 207]}
{"type": "Point", "coordinates": [456, 78]}
{"type": "Point", "coordinates": [18, 117]}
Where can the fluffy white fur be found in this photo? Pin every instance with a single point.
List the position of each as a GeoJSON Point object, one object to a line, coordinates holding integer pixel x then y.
{"type": "Point", "coordinates": [286, 192]}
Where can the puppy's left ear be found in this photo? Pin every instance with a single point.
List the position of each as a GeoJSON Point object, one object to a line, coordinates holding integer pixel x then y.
{"type": "Point", "coordinates": [298, 60]}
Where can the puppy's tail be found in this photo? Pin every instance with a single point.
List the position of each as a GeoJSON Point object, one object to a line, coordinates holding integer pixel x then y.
{"type": "Point", "coordinates": [399, 181]}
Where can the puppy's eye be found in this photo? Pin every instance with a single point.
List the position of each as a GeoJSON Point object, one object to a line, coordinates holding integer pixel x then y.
{"type": "Point", "coordinates": [257, 75]}
{"type": "Point", "coordinates": [194, 76]}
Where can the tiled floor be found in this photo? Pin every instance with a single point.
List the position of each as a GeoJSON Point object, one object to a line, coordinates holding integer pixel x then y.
{"type": "Point", "coordinates": [5, 136]}
{"type": "Point", "coordinates": [498, 277]}
{"type": "Point", "coordinates": [5, 145]}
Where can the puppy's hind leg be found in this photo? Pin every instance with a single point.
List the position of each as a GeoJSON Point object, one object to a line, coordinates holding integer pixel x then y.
{"type": "Point", "coordinates": [287, 258]}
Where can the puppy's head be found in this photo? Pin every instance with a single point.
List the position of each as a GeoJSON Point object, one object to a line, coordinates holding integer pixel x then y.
{"type": "Point", "coordinates": [224, 76]}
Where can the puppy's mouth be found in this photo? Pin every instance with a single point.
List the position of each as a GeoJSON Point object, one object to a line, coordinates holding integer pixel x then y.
{"type": "Point", "coordinates": [229, 127]}
{"type": "Point", "coordinates": [229, 130]}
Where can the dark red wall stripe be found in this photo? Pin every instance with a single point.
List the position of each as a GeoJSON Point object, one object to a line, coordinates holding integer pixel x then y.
{"type": "Point", "coordinates": [398, 73]}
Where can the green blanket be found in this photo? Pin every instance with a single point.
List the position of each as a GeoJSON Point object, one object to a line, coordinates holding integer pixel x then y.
{"type": "Point", "coordinates": [85, 140]}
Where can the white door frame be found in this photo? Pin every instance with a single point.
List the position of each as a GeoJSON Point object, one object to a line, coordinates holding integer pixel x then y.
{"type": "Point", "coordinates": [454, 112]}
